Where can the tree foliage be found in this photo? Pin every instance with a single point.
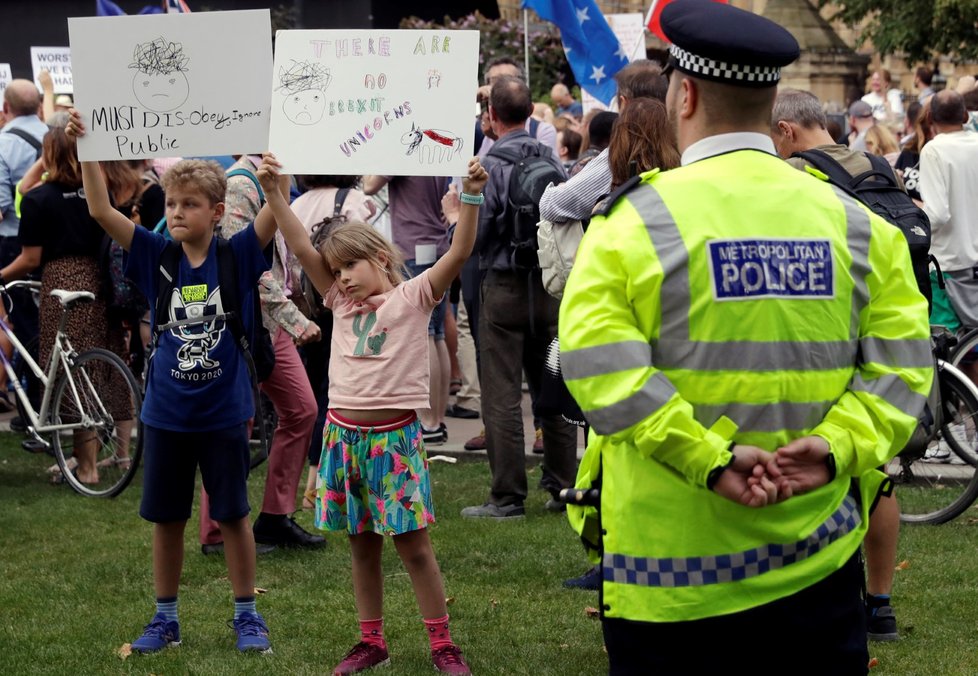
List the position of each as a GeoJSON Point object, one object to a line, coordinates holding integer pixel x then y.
{"type": "Point", "coordinates": [916, 29]}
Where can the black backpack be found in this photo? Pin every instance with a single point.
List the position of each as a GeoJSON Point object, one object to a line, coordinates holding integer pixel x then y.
{"type": "Point", "coordinates": [532, 173]}
{"type": "Point", "coordinates": [878, 189]}
{"type": "Point", "coordinates": [259, 353]}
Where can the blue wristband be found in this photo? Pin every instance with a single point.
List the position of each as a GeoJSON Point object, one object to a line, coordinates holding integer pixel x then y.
{"type": "Point", "coordinates": [472, 199]}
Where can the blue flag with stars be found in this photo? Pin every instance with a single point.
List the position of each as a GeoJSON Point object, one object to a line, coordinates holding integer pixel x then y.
{"type": "Point", "coordinates": [591, 47]}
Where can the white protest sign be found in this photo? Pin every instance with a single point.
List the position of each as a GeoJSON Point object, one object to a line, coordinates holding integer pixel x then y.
{"type": "Point", "coordinates": [57, 61]}
{"type": "Point", "coordinates": [172, 85]}
{"type": "Point", "coordinates": [5, 76]}
{"type": "Point", "coordinates": [395, 102]}
{"type": "Point", "coordinates": [630, 31]}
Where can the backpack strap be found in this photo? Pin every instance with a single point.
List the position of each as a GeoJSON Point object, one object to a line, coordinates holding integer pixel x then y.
{"type": "Point", "coordinates": [166, 281]}
{"type": "Point", "coordinates": [20, 133]}
{"type": "Point", "coordinates": [241, 171]}
{"type": "Point", "coordinates": [880, 168]}
{"type": "Point", "coordinates": [825, 163]}
{"type": "Point", "coordinates": [510, 156]}
{"type": "Point", "coordinates": [340, 201]}
{"type": "Point", "coordinates": [227, 280]}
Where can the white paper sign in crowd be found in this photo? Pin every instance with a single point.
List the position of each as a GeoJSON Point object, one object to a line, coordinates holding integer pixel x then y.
{"type": "Point", "coordinates": [5, 76]}
{"type": "Point", "coordinates": [392, 102]}
{"type": "Point", "coordinates": [172, 85]}
{"type": "Point", "coordinates": [57, 60]}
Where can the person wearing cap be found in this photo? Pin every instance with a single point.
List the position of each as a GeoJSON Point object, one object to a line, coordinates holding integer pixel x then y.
{"type": "Point", "coordinates": [861, 120]}
{"type": "Point", "coordinates": [748, 345]}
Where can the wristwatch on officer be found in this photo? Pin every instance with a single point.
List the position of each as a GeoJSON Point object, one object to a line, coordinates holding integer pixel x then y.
{"type": "Point", "coordinates": [714, 475]}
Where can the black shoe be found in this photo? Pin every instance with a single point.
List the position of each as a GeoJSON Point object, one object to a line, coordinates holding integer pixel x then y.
{"type": "Point", "coordinates": [456, 411]}
{"type": "Point", "coordinates": [218, 548]}
{"type": "Point", "coordinates": [589, 580]}
{"type": "Point", "coordinates": [433, 437]}
{"type": "Point", "coordinates": [17, 424]}
{"type": "Point", "coordinates": [282, 530]}
{"type": "Point", "coordinates": [880, 620]}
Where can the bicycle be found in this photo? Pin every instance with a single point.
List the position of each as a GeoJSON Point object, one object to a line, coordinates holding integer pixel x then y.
{"type": "Point", "coordinates": [72, 415]}
{"type": "Point", "coordinates": [937, 478]}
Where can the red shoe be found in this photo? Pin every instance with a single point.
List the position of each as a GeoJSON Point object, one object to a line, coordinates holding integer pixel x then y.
{"type": "Point", "coordinates": [449, 660]}
{"type": "Point", "coordinates": [361, 657]}
{"type": "Point", "coordinates": [477, 443]}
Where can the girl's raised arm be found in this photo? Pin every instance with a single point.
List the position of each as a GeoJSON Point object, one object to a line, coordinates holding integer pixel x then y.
{"type": "Point", "coordinates": [450, 265]}
{"type": "Point", "coordinates": [280, 213]}
{"type": "Point", "coordinates": [100, 207]}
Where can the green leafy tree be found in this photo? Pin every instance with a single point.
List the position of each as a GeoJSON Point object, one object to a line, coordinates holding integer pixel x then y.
{"type": "Point", "coordinates": [502, 37]}
{"type": "Point", "coordinates": [918, 29]}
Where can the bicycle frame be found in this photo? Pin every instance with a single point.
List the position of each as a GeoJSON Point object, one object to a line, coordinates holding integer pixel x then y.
{"type": "Point", "coordinates": [63, 351]}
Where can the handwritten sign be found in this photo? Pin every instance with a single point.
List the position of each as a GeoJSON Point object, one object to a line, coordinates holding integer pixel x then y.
{"type": "Point", "coordinates": [172, 85]}
{"type": "Point", "coordinates": [630, 31]}
{"type": "Point", "coordinates": [57, 60]}
{"type": "Point", "coordinates": [395, 102]}
{"type": "Point", "coordinates": [5, 76]}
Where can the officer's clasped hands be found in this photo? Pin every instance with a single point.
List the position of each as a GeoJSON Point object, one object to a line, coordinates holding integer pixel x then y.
{"type": "Point", "coordinates": [757, 478]}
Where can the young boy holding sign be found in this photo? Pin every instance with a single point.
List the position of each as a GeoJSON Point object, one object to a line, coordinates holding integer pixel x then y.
{"type": "Point", "coordinates": [198, 395]}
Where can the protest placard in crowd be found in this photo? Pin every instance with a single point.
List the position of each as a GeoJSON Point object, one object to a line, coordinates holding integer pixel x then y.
{"type": "Point", "coordinates": [393, 102]}
{"type": "Point", "coordinates": [57, 61]}
{"type": "Point", "coordinates": [5, 76]}
{"type": "Point", "coordinates": [172, 85]}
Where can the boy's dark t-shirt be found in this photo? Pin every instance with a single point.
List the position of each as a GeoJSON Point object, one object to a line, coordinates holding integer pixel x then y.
{"type": "Point", "coordinates": [55, 217]}
{"type": "Point", "coordinates": [909, 164]}
{"type": "Point", "coordinates": [199, 379]}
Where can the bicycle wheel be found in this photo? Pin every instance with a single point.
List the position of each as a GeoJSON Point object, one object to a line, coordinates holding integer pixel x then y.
{"type": "Point", "coordinates": [105, 403]}
{"type": "Point", "coordinates": [936, 486]}
{"type": "Point", "coordinates": [963, 357]}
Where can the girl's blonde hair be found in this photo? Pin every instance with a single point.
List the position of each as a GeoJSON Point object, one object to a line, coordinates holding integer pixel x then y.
{"type": "Point", "coordinates": [356, 241]}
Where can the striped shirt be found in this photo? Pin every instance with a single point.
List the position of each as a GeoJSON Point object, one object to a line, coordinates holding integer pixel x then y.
{"type": "Point", "coordinates": [574, 199]}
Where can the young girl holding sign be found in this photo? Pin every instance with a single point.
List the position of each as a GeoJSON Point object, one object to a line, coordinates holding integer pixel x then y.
{"type": "Point", "coordinates": [373, 477]}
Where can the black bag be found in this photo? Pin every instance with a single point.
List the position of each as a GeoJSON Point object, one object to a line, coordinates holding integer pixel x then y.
{"type": "Point", "coordinates": [532, 173]}
{"type": "Point", "coordinates": [259, 352]}
{"type": "Point", "coordinates": [122, 297]}
{"type": "Point", "coordinates": [878, 189]}
{"type": "Point", "coordinates": [311, 304]}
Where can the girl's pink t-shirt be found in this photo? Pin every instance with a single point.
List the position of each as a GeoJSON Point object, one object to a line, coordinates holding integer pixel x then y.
{"type": "Point", "coordinates": [379, 356]}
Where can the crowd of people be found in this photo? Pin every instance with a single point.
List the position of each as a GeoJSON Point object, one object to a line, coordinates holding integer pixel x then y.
{"type": "Point", "coordinates": [734, 457]}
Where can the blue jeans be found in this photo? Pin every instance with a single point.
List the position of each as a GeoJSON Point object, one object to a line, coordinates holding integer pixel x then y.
{"type": "Point", "coordinates": [436, 325]}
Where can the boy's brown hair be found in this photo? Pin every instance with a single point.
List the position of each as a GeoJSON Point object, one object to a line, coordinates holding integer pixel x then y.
{"type": "Point", "coordinates": [205, 176]}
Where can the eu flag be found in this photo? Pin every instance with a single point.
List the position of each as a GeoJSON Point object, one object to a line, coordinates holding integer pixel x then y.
{"type": "Point", "coordinates": [107, 8]}
{"type": "Point", "coordinates": [591, 47]}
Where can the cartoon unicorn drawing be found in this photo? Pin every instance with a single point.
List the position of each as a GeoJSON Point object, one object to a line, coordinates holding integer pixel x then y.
{"type": "Point", "coordinates": [432, 145]}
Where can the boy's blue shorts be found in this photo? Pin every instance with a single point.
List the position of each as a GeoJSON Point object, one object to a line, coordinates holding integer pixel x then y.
{"type": "Point", "coordinates": [170, 462]}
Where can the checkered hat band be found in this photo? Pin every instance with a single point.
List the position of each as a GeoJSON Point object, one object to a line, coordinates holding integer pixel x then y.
{"type": "Point", "coordinates": [703, 570]}
{"type": "Point", "coordinates": [723, 71]}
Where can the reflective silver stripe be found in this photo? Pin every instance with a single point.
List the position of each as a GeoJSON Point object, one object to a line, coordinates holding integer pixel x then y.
{"type": "Point", "coordinates": [774, 417]}
{"type": "Point", "coordinates": [639, 406]}
{"type": "Point", "coordinates": [601, 360]}
{"type": "Point", "coordinates": [897, 352]}
{"type": "Point", "coordinates": [698, 571]}
{"type": "Point", "coordinates": [858, 232]}
{"type": "Point", "coordinates": [673, 257]}
{"type": "Point", "coordinates": [893, 390]}
{"type": "Point", "coordinates": [753, 355]}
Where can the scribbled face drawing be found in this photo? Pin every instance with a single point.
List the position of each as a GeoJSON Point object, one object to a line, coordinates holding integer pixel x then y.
{"type": "Point", "coordinates": [305, 107]}
{"type": "Point", "coordinates": [161, 92]}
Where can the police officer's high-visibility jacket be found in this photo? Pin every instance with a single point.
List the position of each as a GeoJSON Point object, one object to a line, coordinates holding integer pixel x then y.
{"type": "Point", "coordinates": [736, 299]}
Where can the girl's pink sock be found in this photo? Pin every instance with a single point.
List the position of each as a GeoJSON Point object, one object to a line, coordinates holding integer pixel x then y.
{"type": "Point", "coordinates": [372, 631]}
{"type": "Point", "coordinates": [438, 634]}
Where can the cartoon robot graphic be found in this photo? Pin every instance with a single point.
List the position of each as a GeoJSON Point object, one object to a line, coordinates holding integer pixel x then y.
{"type": "Point", "coordinates": [201, 336]}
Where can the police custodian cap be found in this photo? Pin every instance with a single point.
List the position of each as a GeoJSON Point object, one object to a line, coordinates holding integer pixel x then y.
{"type": "Point", "coordinates": [718, 42]}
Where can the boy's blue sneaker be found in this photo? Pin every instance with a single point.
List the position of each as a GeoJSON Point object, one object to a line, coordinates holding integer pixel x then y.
{"type": "Point", "coordinates": [157, 635]}
{"type": "Point", "coordinates": [252, 633]}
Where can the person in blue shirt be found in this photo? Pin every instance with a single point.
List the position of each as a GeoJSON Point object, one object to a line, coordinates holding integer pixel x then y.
{"type": "Point", "coordinates": [199, 394]}
{"type": "Point", "coordinates": [566, 104]}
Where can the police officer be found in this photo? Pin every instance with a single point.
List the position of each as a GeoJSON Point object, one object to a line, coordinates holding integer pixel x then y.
{"type": "Point", "coordinates": [748, 344]}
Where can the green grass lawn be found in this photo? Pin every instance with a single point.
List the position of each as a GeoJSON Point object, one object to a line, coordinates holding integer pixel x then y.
{"type": "Point", "coordinates": [76, 584]}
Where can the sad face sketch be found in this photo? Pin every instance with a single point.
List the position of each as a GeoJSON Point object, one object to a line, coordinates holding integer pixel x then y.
{"type": "Point", "coordinates": [160, 82]}
{"type": "Point", "coordinates": [304, 84]}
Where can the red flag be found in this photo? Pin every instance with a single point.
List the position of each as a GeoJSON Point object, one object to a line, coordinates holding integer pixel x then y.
{"type": "Point", "coordinates": [655, 11]}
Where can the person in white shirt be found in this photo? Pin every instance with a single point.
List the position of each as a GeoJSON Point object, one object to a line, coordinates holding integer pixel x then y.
{"type": "Point", "coordinates": [948, 176]}
{"type": "Point", "coordinates": [885, 100]}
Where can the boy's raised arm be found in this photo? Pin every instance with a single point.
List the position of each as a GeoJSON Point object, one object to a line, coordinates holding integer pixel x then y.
{"type": "Point", "coordinates": [118, 226]}
{"type": "Point", "coordinates": [277, 212]}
